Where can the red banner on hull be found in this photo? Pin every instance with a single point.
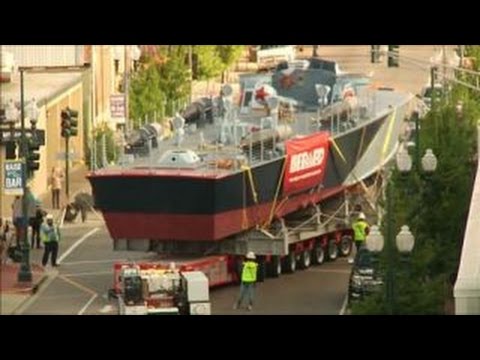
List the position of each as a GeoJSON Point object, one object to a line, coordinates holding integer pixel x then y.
{"type": "Point", "coordinates": [306, 162]}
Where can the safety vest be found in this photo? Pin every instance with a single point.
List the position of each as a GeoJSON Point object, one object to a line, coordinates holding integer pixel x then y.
{"type": "Point", "coordinates": [359, 229]}
{"type": "Point", "coordinates": [249, 272]}
{"type": "Point", "coordinates": [49, 233]}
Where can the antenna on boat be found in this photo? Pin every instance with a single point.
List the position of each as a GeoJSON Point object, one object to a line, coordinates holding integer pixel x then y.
{"type": "Point", "coordinates": [322, 93]}
{"type": "Point", "coordinates": [178, 125]}
{"type": "Point", "coordinates": [225, 112]}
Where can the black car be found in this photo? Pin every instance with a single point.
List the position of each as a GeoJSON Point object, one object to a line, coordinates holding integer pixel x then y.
{"type": "Point", "coordinates": [364, 278]}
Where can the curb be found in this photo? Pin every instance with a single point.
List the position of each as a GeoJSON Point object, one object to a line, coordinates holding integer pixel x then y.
{"type": "Point", "coordinates": [36, 290]}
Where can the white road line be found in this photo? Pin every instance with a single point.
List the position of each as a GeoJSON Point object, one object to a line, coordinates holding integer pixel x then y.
{"type": "Point", "coordinates": [344, 306]}
{"type": "Point", "coordinates": [333, 271]}
{"type": "Point", "coordinates": [89, 273]}
{"type": "Point", "coordinates": [76, 244]}
{"type": "Point", "coordinates": [94, 296]}
{"type": "Point", "coordinates": [92, 262]}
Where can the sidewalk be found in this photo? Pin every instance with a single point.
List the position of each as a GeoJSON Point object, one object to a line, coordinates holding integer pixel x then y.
{"type": "Point", "coordinates": [12, 294]}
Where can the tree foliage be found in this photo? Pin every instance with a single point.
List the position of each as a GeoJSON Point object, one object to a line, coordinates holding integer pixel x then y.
{"type": "Point", "coordinates": [435, 207]}
{"type": "Point", "coordinates": [163, 83]}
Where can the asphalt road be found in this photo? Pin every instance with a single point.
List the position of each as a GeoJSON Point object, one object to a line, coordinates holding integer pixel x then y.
{"type": "Point", "coordinates": [86, 274]}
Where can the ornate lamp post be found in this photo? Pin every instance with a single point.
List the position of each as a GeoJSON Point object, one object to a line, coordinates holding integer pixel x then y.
{"type": "Point", "coordinates": [404, 240]}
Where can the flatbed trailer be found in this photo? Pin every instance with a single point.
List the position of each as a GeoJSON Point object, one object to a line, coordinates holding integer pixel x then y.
{"type": "Point", "coordinates": [310, 237]}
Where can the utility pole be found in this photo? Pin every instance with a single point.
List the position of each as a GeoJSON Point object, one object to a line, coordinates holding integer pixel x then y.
{"type": "Point", "coordinates": [126, 74]}
{"type": "Point", "coordinates": [190, 65]}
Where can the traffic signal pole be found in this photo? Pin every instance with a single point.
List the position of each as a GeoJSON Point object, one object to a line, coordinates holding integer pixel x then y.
{"type": "Point", "coordinates": [25, 273]}
{"type": "Point", "coordinates": [67, 177]}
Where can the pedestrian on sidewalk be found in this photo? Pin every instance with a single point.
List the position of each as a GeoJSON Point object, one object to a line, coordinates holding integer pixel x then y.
{"type": "Point", "coordinates": [5, 240]}
{"type": "Point", "coordinates": [50, 235]}
{"type": "Point", "coordinates": [17, 218]}
{"type": "Point", "coordinates": [36, 223]}
{"type": "Point", "coordinates": [248, 281]}
{"type": "Point", "coordinates": [56, 186]}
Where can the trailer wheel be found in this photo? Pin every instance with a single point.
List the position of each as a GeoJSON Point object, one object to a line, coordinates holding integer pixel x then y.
{"type": "Point", "coordinates": [345, 246]}
{"type": "Point", "coordinates": [318, 254]}
{"type": "Point", "coordinates": [305, 259]}
{"type": "Point", "coordinates": [332, 250]}
{"type": "Point", "coordinates": [275, 267]}
{"type": "Point", "coordinates": [290, 263]}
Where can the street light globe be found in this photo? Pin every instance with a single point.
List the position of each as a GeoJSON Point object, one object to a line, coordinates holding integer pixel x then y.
{"type": "Point", "coordinates": [33, 110]}
{"type": "Point", "coordinates": [404, 161]}
{"type": "Point", "coordinates": [405, 240]}
{"type": "Point", "coordinates": [374, 240]}
{"type": "Point", "coordinates": [11, 112]}
{"type": "Point", "coordinates": [136, 52]}
{"type": "Point", "coordinates": [429, 161]}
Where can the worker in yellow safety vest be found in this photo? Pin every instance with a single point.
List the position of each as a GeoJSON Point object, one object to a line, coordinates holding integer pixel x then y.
{"type": "Point", "coordinates": [248, 280]}
{"type": "Point", "coordinates": [361, 230]}
{"type": "Point", "coordinates": [50, 236]}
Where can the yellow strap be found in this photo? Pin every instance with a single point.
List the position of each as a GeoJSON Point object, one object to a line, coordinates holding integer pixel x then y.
{"type": "Point", "coordinates": [280, 179]}
{"type": "Point", "coordinates": [244, 204]}
{"type": "Point", "coordinates": [335, 146]}
{"type": "Point", "coordinates": [248, 170]}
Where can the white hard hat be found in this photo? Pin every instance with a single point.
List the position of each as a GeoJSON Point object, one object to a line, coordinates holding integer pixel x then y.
{"type": "Point", "coordinates": [361, 216]}
{"type": "Point", "coordinates": [251, 255]}
{"type": "Point", "coordinates": [49, 217]}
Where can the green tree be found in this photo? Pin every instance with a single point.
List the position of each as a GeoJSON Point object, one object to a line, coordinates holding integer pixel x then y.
{"type": "Point", "coordinates": [435, 207]}
{"type": "Point", "coordinates": [229, 54]}
{"type": "Point", "coordinates": [146, 96]}
{"type": "Point", "coordinates": [209, 63]}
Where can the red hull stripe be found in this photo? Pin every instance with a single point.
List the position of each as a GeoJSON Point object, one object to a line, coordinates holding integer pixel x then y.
{"type": "Point", "coordinates": [201, 227]}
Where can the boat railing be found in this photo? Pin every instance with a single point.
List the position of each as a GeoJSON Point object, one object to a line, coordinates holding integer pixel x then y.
{"type": "Point", "coordinates": [346, 114]}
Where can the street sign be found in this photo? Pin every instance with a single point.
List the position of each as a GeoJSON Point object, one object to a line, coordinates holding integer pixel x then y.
{"type": "Point", "coordinates": [117, 106]}
{"type": "Point", "coordinates": [6, 135]}
{"type": "Point", "coordinates": [13, 184]}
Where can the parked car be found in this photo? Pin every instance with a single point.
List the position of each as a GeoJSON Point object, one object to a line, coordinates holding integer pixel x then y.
{"type": "Point", "coordinates": [365, 277]}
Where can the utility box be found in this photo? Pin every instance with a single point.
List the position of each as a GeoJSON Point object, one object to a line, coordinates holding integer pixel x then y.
{"type": "Point", "coordinates": [196, 286]}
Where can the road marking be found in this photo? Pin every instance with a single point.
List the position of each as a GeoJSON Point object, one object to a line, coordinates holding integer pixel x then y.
{"type": "Point", "coordinates": [344, 306]}
{"type": "Point", "coordinates": [106, 309]}
{"type": "Point", "coordinates": [87, 304]}
{"type": "Point", "coordinates": [78, 285]}
{"type": "Point", "coordinates": [84, 288]}
{"type": "Point", "coordinates": [52, 275]}
{"type": "Point", "coordinates": [333, 271]}
{"type": "Point", "coordinates": [76, 244]}
{"type": "Point", "coordinates": [82, 262]}
{"type": "Point", "coordinates": [89, 273]}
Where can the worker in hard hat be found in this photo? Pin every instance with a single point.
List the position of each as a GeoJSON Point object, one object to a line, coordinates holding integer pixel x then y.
{"type": "Point", "coordinates": [248, 280]}
{"type": "Point", "coordinates": [361, 230]}
{"type": "Point", "coordinates": [50, 236]}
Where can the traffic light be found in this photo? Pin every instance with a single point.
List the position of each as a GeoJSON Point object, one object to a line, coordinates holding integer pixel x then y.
{"type": "Point", "coordinates": [374, 54]}
{"type": "Point", "coordinates": [11, 150]}
{"type": "Point", "coordinates": [69, 123]}
{"type": "Point", "coordinates": [33, 156]}
{"type": "Point", "coordinates": [3, 117]}
{"type": "Point", "coordinates": [393, 55]}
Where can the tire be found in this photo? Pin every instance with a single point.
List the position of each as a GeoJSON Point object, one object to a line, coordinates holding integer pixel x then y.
{"type": "Point", "coordinates": [332, 250]}
{"type": "Point", "coordinates": [345, 247]}
{"type": "Point", "coordinates": [274, 267]}
{"type": "Point", "coordinates": [318, 254]}
{"type": "Point", "coordinates": [305, 260]}
{"type": "Point", "coordinates": [290, 263]}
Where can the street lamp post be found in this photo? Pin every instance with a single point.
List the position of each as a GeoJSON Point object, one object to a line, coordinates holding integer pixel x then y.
{"type": "Point", "coordinates": [25, 273]}
{"type": "Point", "coordinates": [404, 240]}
